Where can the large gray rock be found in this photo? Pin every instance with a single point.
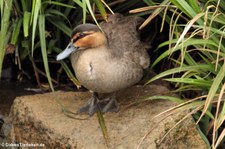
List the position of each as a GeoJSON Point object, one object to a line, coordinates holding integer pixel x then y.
{"type": "Point", "coordinates": [40, 119]}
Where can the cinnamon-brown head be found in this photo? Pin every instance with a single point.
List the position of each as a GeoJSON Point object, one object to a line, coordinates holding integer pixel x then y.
{"type": "Point", "coordinates": [88, 39]}
{"type": "Point", "coordinates": [83, 37]}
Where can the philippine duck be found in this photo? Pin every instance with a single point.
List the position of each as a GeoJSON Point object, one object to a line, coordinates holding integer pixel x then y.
{"type": "Point", "coordinates": [108, 61]}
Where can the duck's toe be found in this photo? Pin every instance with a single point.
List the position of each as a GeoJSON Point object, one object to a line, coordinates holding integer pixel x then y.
{"type": "Point", "coordinates": [94, 105]}
{"type": "Point", "coordinates": [109, 104]}
{"type": "Point", "coordinates": [91, 106]}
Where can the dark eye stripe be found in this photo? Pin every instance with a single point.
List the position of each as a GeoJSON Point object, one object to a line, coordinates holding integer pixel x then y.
{"type": "Point", "coordinates": [75, 39]}
{"type": "Point", "coordinates": [81, 35]}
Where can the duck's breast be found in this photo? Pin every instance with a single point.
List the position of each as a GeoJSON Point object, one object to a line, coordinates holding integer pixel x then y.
{"type": "Point", "coordinates": [100, 72]}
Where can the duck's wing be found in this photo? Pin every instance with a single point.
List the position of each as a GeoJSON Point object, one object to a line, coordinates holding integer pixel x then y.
{"type": "Point", "coordinates": [124, 39]}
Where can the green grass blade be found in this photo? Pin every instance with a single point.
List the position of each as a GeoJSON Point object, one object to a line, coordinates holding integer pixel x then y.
{"type": "Point", "coordinates": [204, 138]}
{"type": "Point", "coordinates": [78, 3]}
{"type": "Point", "coordinates": [220, 138]}
{"type": "Point", "coordinates": [84, 6]}
{"type": "Point", "coordinates": [103, 128]}
{"type": "Point", "coordinates": [101, 8]}
{"type": "Point", "coordinates": [189, 59]}
{"type": "Point", "coordinates": [16, 31]}
{"type": "Point", "coordinates": [149, 2]}
{"type": "Point", "coordinates": [170, 98]}
{"type": "Point", "coordinates": [70, 74]}
{"type": "Point", "coordinates": [197, 68]}
{"type": "Point", "coordinates": [41, 23]}
{"type": "Point", "coordinates": [53, 13]}
{"type": "Point", "coordinates": [194, 4]}
{"type": "Point", "coordinates": [187, 9]}
{"type": "Point", "coordinates": [214, 88]}
{"type": "Point", "coordinates": [187, 28]}
{"type": "Point", "coordinates": [61, 25]}
{"type": "Point", "coordinates": [188, 42]}
{"type": "Point", "coordinates": [67, 11]}
{"type": "Point", "coordinates": [24, 6]}
{"type": "Point", "coordinates": [196, 82]}
{"type": "Point", "coordinates": [1, 6]}
{"type": "Point", "coordinates": [58, 3]}
{"type": "Point", "coordinates": [91, 12]}
{"type": "Point", "coordinates": [222, 114]}
{"type": "Point", "coordinates": [35, 12]}
{"type": "Point", "coordinates": [26, 23]}
{"type": "Point", "coordinates": [5, 16]}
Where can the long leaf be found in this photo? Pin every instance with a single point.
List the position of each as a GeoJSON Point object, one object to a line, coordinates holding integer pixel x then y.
{"type": "Point", "coordinates": [101, 8]}
{"type": "Point", "coordinates": [70, 74]}
{"type": "Point", "coordinates": [197, 68]}
{"type": "Point", "coordinates": [62, 26]}
{"type": "Point", "coordinates": [2, 6]}
{"type": "Point", "coordinates": [5, 14]}
{"type": "Point", "coordinates": [26, 23]}
{"type": "Point", "coordinates": [196, 82]}
{"type": "Point", "coordinates": [16, 31]}
{"type": "Point", "coordinates": [213, 89]}
{"type": "Point", "coordinates": [186, 8]}
{"type": "Point", "coordinates": [58, 3]}
{"type": "Point", "coordinates": [103, 127]}
{"type": "Point", "coordinates": [154, 14]}
{"type": "Point", "coordinates": [188, 42]}
{"type": "Point", "coordinates": [78, 3]}
{"type": "Point", "coordinates": [84, 6]}
{"type": "Point", "coordinates": [41, 23]}
{"type": "Point", "coordinates": [91, 12]}
{"type": "Point", "coordinates": [35, 12]}
{"type": "Point", "coordinates": [189, 25]}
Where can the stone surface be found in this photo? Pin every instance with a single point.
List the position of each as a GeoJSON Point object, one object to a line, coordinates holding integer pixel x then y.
{"type": "Point", "coordinates": [40, 119]}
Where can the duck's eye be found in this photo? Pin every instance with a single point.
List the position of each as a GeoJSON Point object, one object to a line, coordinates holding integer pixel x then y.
{"type": "Point", "coordinates": [81, 35]}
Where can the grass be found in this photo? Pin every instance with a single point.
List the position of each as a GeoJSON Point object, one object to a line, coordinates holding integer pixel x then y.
{"type": "Point", "coordinates": [196, 50]}
{"type": "Point", "coordinates": [6, 7]}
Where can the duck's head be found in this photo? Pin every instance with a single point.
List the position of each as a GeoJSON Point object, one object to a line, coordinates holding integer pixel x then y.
{"type": "Point", "coordinates": [83, 37]}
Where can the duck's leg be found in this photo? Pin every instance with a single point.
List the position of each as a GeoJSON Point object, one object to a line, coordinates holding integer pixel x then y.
{"type": "Point", "coordinates": [109, 104]}
{"type": "Point", "coordinates": [91, 106]}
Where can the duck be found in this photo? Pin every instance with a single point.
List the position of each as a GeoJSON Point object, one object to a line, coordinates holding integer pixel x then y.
{"type": "Point", "coordinates": [107, 59]}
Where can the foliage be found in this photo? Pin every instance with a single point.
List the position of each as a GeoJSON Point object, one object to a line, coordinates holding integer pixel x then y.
{"type": "Point", "coordinates": [196, 47]}
{"type": "Point", "coordinates": [5, 15]}
{"type": "Point", "coordinates": [36, 28]}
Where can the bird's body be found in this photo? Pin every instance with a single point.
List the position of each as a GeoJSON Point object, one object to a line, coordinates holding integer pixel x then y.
{"type": "Point", "coordinates": [99, 71]}
{"type": "Point", "coordinates": [110, 61]}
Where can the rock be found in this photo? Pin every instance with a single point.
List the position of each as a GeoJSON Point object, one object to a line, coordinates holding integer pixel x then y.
{"type": "Point", "coordinates": [39, 119]}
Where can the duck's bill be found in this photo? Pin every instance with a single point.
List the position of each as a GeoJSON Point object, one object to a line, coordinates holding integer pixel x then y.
{"type": "Point", "coordinates": [65, 53]}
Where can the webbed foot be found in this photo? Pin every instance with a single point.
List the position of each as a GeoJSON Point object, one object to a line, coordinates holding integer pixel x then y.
{"type": "Point", "coordinates": [94, 105]}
